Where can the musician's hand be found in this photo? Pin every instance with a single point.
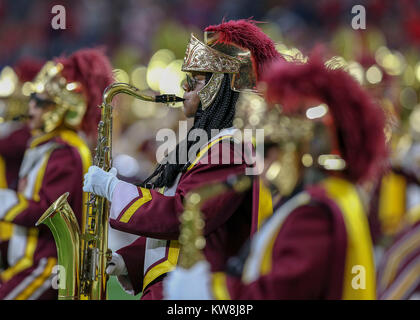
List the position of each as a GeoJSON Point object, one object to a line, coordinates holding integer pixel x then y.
{"type": "Point", "coordinates": [188, 284]}
{"type": "Point", "coordinates": [100, 182]}
{"type": "Point", "coordinates": [116, 267]}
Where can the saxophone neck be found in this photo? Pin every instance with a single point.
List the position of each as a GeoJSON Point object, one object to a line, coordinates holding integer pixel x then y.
{"type": "Point", "coordinates": [119, 87]}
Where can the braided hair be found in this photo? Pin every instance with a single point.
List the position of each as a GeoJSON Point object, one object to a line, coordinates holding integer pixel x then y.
{"type": "Point", "coordinates": [219, 115]}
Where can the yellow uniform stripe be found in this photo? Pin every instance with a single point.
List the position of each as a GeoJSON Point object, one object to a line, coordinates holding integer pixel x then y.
{"type": "Point", "coordinates": [39, 281]}
{"type": "Point", "coordinates": [204, 150]}
{"type": "Point", "coordinates": [14, 211]}
{"type": "Point", "coordinates": [392, 202]}
{"type": "Point", "coordinates": [3, 181]}
{"type": "Point", "coordinates": [40, 177]}
{"type": "Point", "coordinates": [73, 139]}
{"type": "Point", "coordinates": [6, 230]}
{"type": "Point", "coordinates": [146, 197]}
{"type": "Point", "coordinates": [359, 243]}
{"type": "Point", "coordinates": [165, 266]}
{"type": "Point", "coordinates": [265, 203]}
{"type": "Point", "coordinates": [27, 260]}
{"type": "Point", "coordinates": [219, 286]}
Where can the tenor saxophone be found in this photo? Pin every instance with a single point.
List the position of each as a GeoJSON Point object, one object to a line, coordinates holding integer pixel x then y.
{"type": "Point", "coordinates": [83, 254]}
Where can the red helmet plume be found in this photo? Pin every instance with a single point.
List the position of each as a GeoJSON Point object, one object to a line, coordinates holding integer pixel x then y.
{"type": "Point", "coordinates": [245, 34]}
{"type": "Point", "coordinates": [92, 69]}
{"type": "Point", "coordinates": [27, 68]}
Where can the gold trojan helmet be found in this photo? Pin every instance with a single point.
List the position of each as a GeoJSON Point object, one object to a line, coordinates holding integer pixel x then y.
{"type": "Point", "coordinates": [14, 88]}
{"type": "Point", "coordinates": [67, 97]}
{"type": "Point", "coordinates": [75, 85]}
{"type": "Point", "coordinates": [238, 48]}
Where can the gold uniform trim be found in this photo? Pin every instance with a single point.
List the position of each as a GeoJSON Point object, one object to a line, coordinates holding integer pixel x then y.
{"type": "Point", "coordinates": [359, 243]}
{"type": "Point", "coordinates": [146, 197]}
{"type": "Point", "coordinates": [18, 208]}
{"type": "Point", "coordinates": [73, 139]}
{"type": "Point", "coordinates": [219, 286]}
{"type": "Point", "coordinates": [165, 266]}
{"type": "Point", "coordinates": [265, 203]}
{"type": "Point", "coordinates": [27, 260]}
{"type": "Point", "coordinates": [38, 281]}
{"type": "Point", "coordinates": [3, 181]}
{"type": "Point", "coordinates": [204, 151]}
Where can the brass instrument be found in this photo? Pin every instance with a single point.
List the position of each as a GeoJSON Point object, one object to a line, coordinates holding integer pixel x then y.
{"type": "Point", "coordinates": [84, 253]}
{"type": "Point", "coordinates": [191, 237]}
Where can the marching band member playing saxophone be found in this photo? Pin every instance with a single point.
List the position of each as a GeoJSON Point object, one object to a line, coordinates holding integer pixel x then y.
{"type": "Point", "coordinates": [230, 60]}
{"type": "Point", "coordinates": [65, 99]}
{"type": "Point", "coordinates": [317, 243]}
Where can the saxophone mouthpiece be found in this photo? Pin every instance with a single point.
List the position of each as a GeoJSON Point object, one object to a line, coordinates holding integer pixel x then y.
{"type": "Point", "coordinates": [168, 98]}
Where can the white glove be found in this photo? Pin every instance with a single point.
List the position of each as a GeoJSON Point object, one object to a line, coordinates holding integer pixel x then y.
{"type": "Point", "coordinates": [116, 267]}
{"type": "Point", "coordinates": [100, 182]}
{"type": "Point", "coordinates": [8, 199]}
{"type": "Point", "coordinates": [188, 284]}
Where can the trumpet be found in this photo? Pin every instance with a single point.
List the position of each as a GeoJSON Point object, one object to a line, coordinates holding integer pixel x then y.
{"type": "Point", "coordinates": [84, 253]}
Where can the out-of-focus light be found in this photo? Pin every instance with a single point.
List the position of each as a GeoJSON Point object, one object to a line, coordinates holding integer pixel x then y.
{"type": "Point", "coordinates": [415, 119]}
{"type": "Point", "coordinates": [254, 120]}
{"type": "Point", "coordinates": [374, 75]}
{"type": "Point", "coordinates": [27, 89]}
{"type": "Point", "coordinates": [121, 75]}
{"type": "Point", "coordinates": [8, 81]}
{"type": "Point", "coordinates": [393, 62]}
{"type": "Point", "coordinates": [273, 171]}
{"type": "Point", "coordinates": [317, 112]}
{"type": "Point", "coordinates": [307, 160]}
{"type": "Point", "coordinates": [172, 77]}
{"type": "Point", "coordinates": [356, 70]}
{"type": "Point", "coordinates": [408, 98]}
{"type": "Point", "coordinates": [143, 109]}
{"type": "Point", "coordinates": [417, 71]}
{"type": "Point", "coordinates": [238, 123]}
{"type": "Point", "coordinates": [71, 86]}
{"type": "Point", "coordinates": [409, 76]}
{"type": "Point", "coordinates": [381, 53]}
{"type": "Point", "coordinates": [139, 78]}
{"type": "Point", "coordinates": [331, 162]}
{"type": "Point", "coordinates": [156, 67]}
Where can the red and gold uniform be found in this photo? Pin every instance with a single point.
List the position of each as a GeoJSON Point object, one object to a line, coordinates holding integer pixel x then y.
{"type": "Point", "coordinates": [230, 218]}
{"type": "Point", "coordinates": [53, 164]}
{"type": "Point", "coordinates": [307, 250]}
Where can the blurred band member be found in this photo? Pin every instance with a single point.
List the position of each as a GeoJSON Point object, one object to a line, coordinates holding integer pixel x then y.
{"type": "Point", "coordinates": [66, 93]}
{"type": "Point", "coordinates": [14, 136]}
{"type": "Point", "coordinates": [317, 243]}
{"type": "Point", "coordinates": [230, 60]}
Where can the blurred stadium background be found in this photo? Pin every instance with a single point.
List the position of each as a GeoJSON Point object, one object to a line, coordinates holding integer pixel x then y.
{"type": "Point", "coordinates": [146, 41]}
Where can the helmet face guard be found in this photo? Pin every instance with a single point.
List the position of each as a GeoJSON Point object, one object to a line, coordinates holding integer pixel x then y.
{"type": "Point", "coordinates": [70, 103]}
{"type": "Point", "coordinates": [219, 59]}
